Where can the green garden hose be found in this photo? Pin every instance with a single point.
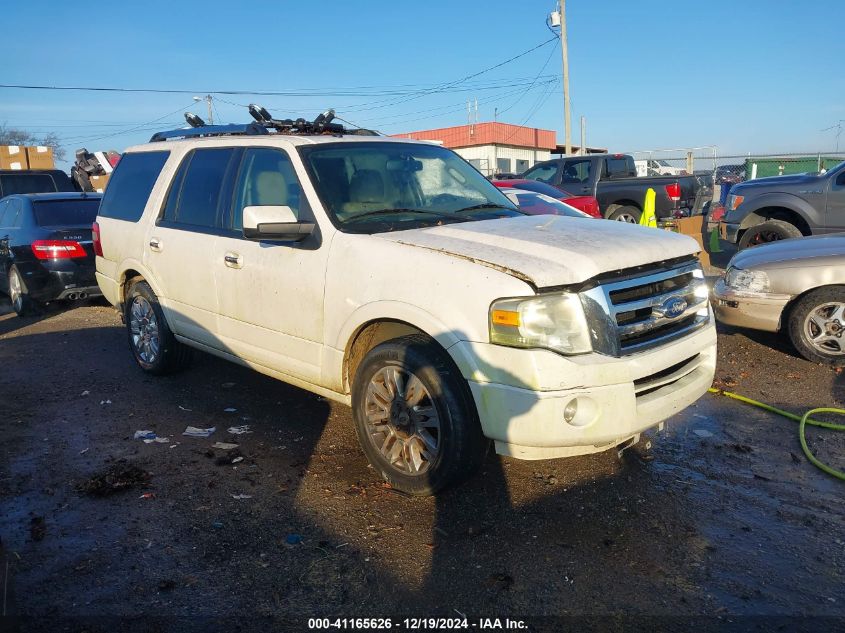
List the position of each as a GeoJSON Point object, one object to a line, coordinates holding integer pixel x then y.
{"type": "Point", "coordinates": [803, 421]}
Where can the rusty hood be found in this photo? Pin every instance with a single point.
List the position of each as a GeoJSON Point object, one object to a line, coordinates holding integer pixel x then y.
{"type": "Point", "coordinates": [550, 250]}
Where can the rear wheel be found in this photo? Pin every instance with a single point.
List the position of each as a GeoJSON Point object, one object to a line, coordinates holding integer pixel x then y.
{"type": "Point", "coordinates": [415, 417]}
{"type": "Point", "coordinates": [629, 214]}
{"type": "Point", "coordinates": [770, 231]}
{"type": "Point", "coordinates": [22, 303]}
{"type": "Point", "coordinates": [153, 345]}
{"type": "Point", "coordinates": [817, 326]}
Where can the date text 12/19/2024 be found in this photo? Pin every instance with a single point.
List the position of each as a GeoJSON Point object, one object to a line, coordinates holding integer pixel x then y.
{"type": "Point", "coordinates": [416, 624]}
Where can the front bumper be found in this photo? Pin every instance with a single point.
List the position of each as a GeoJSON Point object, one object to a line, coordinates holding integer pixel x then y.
{"type": "Point", "coordinates": [521, 395]}
{"type": "Point", "coordinates": [758, 311]}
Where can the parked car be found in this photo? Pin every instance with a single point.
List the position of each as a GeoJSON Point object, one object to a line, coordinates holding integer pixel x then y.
{"type": "Point", "coordinates": [654, 167]}
{"type": "Point", "coordinates": [729, 174]}
{"type": "Point", "coordinates": [796, 287]}
{"type": "Point", "coordinates": [46, 251]}
{"type": "Point", "coordinates": [33, 181]}
{"type": "Point", "coordinates": [612, 180]}
{"type": "Point", "coordinates": [587, 204]}
{"type": "Point", "coordinates": [781, 207]}
{"type": "Point", "coordinates": [390, 275]}
{"type": "Point", "coordinates": [533, 203]}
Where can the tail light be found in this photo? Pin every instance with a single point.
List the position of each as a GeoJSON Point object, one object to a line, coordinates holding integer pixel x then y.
{"type": "Point", "coordinates": [673, 190]}
{"type": "Point", "coordinates": [95, 236]}
{"type": "Point", "coordinates": [57, 249]}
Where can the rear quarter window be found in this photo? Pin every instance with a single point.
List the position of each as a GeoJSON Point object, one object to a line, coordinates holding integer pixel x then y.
{"type": "Point", "coordinates": [130, 185]}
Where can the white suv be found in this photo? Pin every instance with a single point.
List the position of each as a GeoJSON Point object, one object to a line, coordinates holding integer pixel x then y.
{"type": "Point", "coordinates": [391, 276]}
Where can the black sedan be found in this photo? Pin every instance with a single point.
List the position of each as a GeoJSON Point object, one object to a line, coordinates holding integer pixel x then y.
{"type": "Point", "coordinates": [46, 250]}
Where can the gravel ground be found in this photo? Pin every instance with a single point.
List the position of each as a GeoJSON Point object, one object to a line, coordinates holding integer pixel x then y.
{"type": "Point", "coordinates": [722, 516]}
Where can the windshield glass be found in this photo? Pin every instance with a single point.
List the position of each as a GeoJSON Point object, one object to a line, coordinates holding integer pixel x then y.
{"type": "Point", "coordinates": [372, 187]}
{"type": "Point", "coordinates": [66, 212]}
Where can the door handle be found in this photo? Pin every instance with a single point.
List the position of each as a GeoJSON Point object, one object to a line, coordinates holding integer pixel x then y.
{"type": "Point", "coordinates": [155, 245]}
{"type": "Point", "coordinates": [233, 260]}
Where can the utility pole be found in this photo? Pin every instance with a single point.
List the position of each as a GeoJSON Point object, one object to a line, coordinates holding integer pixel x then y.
{"type": "Point", "coordinates": [583, 136]}
{"type": "Point", "coordinates": [558, 18]}
{"type": "Point", "coordinates": [207, 99]}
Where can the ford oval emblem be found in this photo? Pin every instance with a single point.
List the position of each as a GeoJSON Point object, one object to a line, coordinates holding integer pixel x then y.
{"type": "Point", "coordinates": [673, 307]}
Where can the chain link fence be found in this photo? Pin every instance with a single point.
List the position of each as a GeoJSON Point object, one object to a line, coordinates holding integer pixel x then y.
{"type": "Point", "coordinates": [715, 169]}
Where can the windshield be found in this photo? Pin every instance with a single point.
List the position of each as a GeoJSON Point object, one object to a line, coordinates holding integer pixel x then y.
{"type": "Point", "coordinates": [66, 212]}
{"type": "Point", "coordinates": [371, 187]}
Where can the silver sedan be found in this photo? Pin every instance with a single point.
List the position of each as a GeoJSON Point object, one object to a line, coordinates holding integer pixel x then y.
{"type": "Point", "coordinates": [792, 286]}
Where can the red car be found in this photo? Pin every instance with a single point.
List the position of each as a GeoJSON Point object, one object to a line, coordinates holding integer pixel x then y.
{"type": "Point", "coordinates": [587, 204]}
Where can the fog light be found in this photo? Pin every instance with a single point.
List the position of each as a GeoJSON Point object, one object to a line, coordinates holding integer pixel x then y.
{"type": "Point", "coordinates": [570, 411]}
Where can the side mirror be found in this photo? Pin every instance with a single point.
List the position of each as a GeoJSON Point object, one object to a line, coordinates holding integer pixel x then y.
{"type": "Point", "coordinates": [275, 223]}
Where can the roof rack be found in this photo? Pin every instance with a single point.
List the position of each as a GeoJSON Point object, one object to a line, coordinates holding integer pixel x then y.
{"type": "Point", "coordinates": [248, 129]}
{"type": "Point", "coordinates": [264, 124]}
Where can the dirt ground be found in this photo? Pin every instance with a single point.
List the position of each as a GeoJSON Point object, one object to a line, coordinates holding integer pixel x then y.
{"type": "Point", "coordinates": [723, 517]}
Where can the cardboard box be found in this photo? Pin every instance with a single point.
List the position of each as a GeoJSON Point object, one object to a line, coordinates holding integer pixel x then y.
{"type": "Point", "coordinates": [13, 157]}
{"type": "Point", "coordinates": [694, 227]}
{"type": "Point", "coordinates": [99, 183]}
{"type": "Point", "coordinates": [40, 157]}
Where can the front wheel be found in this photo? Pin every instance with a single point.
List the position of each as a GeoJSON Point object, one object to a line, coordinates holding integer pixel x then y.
{"type": "Point", "coordinates": [415, 417]}
{"type": "Point", "coordinates": [629, 214]}
{"type": "Point", "coordinates": [817, 326]}
{"type": "Point", "coordinates": [770, 231]}
{"type": "Point", "coordinates": [153, 345]}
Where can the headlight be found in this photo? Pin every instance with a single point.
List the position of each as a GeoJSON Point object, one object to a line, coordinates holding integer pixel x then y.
{"type": "Point", "coordinates": [747, 280]}
{"type": "Point", "coordinates": [554, 321]}
{"type": "Point", "coordinates": [734, 201]}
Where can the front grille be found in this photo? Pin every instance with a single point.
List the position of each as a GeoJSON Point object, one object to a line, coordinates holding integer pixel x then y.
{"type": "Point", "coordinates": [639, 312]}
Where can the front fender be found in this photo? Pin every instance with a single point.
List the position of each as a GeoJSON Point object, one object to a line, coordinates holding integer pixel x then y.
{"type": "Point", "coordinates": [746, 214]}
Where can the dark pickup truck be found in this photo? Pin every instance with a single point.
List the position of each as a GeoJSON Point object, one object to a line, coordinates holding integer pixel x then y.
{"type": "Point", "coordinates": [34, 181]}
{"type": "Point", "coordinates": [612, 180]}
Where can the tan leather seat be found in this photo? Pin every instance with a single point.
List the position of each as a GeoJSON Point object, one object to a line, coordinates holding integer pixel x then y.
{"type": "Point", "coordinates": [366, 193]}
{"type": "Point", "coordinates": [270, 189]}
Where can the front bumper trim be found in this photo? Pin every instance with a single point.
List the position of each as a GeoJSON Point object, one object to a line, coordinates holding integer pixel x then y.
{"type": "Point", "coordinates": [757, 311]}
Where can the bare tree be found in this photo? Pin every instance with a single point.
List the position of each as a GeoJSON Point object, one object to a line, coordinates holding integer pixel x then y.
{"type": "Point", "coordinates": [12, 136]}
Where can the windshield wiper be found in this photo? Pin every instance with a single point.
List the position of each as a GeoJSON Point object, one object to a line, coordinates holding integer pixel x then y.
{"type": "Point", "coordinates": [486, 205]}
{"type": "Point", "coordinates": [377, 212]}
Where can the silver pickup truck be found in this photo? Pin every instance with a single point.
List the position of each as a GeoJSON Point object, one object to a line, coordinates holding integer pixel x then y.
{"type": "Point", "coordinates": [770, 209]}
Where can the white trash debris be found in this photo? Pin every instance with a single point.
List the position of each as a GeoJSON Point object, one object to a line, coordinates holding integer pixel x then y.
{"type": "Point", "coordinates": [702, 433]}
{"type": "Point", "coordinates": [185, 408]}
{"type": "Point", "coordinates": [230, 410]}
{"type": "Point", "coordinates": [105, 401]}
{"type": "Point", "coordinates": [239, 430]}
{"type": "Point", "coordinates": [193, 431]}
{"type": "Point", "coordinates": [241, 496]}
{"type": "Point", "coordinates": [224, 446]}
{"type": "Point", "coordinates": [157, 440]}
{"type": "Point", "coordinates": [237, 459]}
{"type": "Point", "coordinates": [144, 435]}
{"type": "Point", "coordinates": [85, 393]}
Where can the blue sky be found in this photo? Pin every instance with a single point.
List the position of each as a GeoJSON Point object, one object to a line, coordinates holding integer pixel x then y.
{"type": "Point", "coordinates": [751, 76]}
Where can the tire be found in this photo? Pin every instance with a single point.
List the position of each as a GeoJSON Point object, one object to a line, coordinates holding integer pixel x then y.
{"type": "Point", "coordinates": [629, 214]}
{"type": "Point", "coordinates": [153, 345]}
{"type": "Point", "coordinates": [816, 326]}
{"type": "Point", "coordinates": [22, 303]}
{"type": "Point", "coordinates": [769, 231]}
{"type": "Point", "coordinates": [429, 437]}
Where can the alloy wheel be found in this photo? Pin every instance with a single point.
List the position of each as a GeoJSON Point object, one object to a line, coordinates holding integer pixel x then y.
{"type": "Point", "coordinates": [824, 327]}
{"type": "Point", "coordinates": [143, 330]}
{"type": "Point", "coordinates": [401, 420]}
{"type": "Point", "coordinates": [15, 291]}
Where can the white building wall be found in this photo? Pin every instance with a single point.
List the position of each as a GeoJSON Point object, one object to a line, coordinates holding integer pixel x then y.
{"type": "Point", "coordinates": [489, 158]}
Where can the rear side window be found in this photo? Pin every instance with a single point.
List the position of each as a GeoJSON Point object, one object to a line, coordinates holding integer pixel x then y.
{"type": "Point", "coordinates": [26, 183]}
{"type": "Point", "coordinates": [65, 212]}
{"type": "Point", "coordinates": [622, 167]}
{"type": "Point", "coordinates": [10, 214]}
{"type": "Point", "coordinates": [130, 185]}
{"type": "Point", "coordinates": [201, 190]}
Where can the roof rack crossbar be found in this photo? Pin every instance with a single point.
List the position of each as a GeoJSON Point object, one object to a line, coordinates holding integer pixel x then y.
{"type": "Point", "coordinates": [249, 129]}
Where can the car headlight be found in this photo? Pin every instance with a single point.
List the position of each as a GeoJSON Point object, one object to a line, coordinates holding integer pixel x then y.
{"type": "Point", "coordinates": [734, 201]}
{"type": "Point", "coordinates": [555, 321]}
{"type": "Point", "coordinates": [747, 280]}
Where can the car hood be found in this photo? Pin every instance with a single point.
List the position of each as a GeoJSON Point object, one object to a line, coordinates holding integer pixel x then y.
{"type": "Point", "coordinates": [791, 253]}
{"type": "Point", "coordinates": [550, 250]}
{"type": "Point", "coordinates": [775, 181]}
